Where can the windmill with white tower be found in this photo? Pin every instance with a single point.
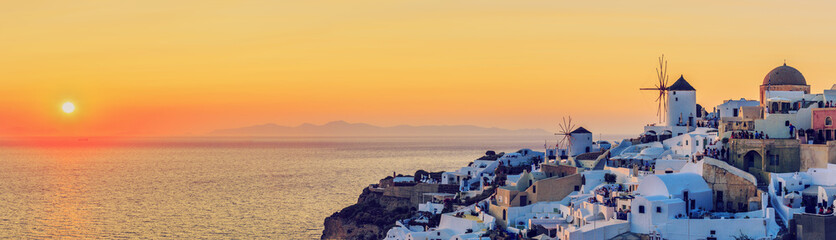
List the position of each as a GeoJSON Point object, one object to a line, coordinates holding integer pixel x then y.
{"type": "Point", "coordinates": [677, 105]}
{"type": "Point", "coordinates": [574, 140]}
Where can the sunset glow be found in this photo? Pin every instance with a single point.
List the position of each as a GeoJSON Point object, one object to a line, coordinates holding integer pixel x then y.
{"type": "Point", "coordinates": [156, 67]}
{"type": "Point", "coordinates": [68, 107]}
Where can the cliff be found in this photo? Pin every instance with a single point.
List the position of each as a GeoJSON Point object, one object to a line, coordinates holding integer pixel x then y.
{"type": "Point", "coordinates": [369, 218]}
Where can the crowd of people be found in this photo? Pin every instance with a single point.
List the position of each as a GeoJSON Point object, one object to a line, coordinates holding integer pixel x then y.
{"type": "Point", "coordinates": [605, 192]}
{"type": "Point", "coordinates": [710, 123]}
{"type": "Point", "coordinates": [622, 214]}
{"type": "Point", "coordinates": [749, 135]}
{"type": "Point", "coordinates": [829, 104]}
{"type": "Point", "coordinates": [722, 153]}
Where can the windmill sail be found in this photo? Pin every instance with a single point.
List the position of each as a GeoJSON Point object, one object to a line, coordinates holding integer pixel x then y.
{"type": "Point", "coordinates": [662, 87]}
{"type": "Point", "coordinates": [565, 129]}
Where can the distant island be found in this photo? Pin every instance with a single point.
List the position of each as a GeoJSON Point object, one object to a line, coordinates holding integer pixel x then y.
{"type": "Point", "coordinates": [342, 128]}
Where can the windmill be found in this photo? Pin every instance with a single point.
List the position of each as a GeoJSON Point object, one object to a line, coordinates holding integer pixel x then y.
{"type": "Point", "coordinates": [662, 87]}
{"type": "Point", "coordinates": [565, 130]}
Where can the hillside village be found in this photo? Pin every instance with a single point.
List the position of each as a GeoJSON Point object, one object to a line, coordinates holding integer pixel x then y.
{"type": "Point", "coordinates": [745, 169]}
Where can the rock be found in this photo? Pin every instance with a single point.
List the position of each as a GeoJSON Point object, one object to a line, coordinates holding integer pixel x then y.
{"type": "Point", "coordinates": [369, 218]}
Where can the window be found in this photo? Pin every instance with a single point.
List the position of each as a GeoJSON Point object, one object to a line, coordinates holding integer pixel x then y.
{"type": "Point", "coordinates": [676, 99]}
{"type": "Point", "coordinates": [534, 189]}
{"type": "Point", "coordinates": [828, 121]}
{"type": "Point", "coordinates": [641, 209]}
{"type": "Point", "coordinates": [658, 209]}
{"type": "Point", "coordinates": [577, 188]}
{"type": "Point", "coordinates": [734, 112]}
{"type": "Point", "coordinates": [692, 204]}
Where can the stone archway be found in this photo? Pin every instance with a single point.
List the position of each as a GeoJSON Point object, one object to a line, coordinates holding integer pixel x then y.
{"type": "Point", "coordinates": [753, 159]}
{"type": "Point", "coordinates": [600, 216]}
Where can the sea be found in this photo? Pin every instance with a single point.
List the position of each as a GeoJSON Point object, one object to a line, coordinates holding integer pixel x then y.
{"type": "Point", "coordinates": [278, 188]}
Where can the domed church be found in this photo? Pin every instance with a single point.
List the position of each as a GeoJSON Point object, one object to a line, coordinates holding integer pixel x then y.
{"type": "Point", "coordinates": [784, 78]}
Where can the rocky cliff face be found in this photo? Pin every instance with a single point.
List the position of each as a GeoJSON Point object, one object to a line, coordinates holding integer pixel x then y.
{"type": "Point", "coordinates": [369, 218]}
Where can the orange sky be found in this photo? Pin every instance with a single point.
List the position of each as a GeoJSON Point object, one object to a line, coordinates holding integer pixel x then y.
{"type": "Point", "coordinates": [188, 67]}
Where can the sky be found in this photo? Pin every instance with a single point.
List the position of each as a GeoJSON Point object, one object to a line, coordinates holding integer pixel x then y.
{"type": "Point", "coordinates": [171, 68]}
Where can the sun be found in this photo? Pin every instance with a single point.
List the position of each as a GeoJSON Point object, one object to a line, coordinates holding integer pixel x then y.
{"type": "Point", "coordinates": [68, 107]}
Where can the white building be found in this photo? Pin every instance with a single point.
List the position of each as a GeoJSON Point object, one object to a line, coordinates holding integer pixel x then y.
{"type": "Point", "coordinates": [731, 108]}
{"type": "Point", "coordinates": [689, 187]}
{"type": "Point", "coordinates": [665, 201]}
{"type": "Point", "coordinates": [785, 189]}
{"type": "Point", "coordinates": [522, 157]}
{"type": "Point", "coordinates": [476, 171]}
{"type": "Point", "coordinates": [682, 103]}
{"type": "Point", "coordinates": [691, 143]}
{"type": "Point", "coordinates": [460, 225]}
{"type": "Point", "coordinates": [652, 210]}
{"type": "Point", "coordinates": [581, 141]}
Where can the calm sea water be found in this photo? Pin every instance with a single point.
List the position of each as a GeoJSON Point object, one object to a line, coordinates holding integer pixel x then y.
{"type": "Point", "coordinates": [207, 188]}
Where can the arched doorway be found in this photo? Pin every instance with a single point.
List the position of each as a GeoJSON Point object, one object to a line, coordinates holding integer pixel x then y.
{"type": "Point", "coordinates": [649, 136]}
{"type": "Point", "coordinates": [665, 135]}
{"type": "Point", "coordinates": [600, 216]}
{"type": "Point", "coordinates": [752, 159]}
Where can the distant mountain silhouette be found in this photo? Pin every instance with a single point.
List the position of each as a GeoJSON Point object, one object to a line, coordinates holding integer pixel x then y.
{"type": "Point", "coordinates": [342, 128]}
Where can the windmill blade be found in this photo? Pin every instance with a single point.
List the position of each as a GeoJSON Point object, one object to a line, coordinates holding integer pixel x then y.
{"type": "Point", "coordinates": [571, 143]}
{"type": "Point", "coordinates": [665, 104]}
{"type": "Point", "coordinates": [659, 110]}
{"type": "Point", "coordinates": [571, 126]}
{"type": "Point", "coordinates": [567, 142]}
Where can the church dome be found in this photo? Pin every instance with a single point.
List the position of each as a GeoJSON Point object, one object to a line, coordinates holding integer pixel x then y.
{"type": "Point", "coordinates": [784, 75]}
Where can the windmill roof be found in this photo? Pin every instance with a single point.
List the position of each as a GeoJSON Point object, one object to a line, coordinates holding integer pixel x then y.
{"type": "Point", "coordinates": [581, 130]}
{"type": "Point", "coordinates": [681, 85]}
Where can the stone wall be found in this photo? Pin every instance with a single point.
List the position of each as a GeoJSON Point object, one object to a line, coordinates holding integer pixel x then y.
{"type": "Point", "coordinates": [738, 193]}
{"type": "Point", "coordinates": [558, 170]}
{"type": "Point", "coordinates": [553, 189]}
{"type": "Point", "coordinates": [549, 189]}
{"type": "Point", "coordinates": [817, 155]}
{"type": "Point", "coordinates": [760, 151]}
{"type": "Point", "coordinates": [811, 226]}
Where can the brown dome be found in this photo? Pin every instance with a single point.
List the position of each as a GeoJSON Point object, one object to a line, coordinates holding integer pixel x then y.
{"type": "Point", "coordinates": [784, 75]}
